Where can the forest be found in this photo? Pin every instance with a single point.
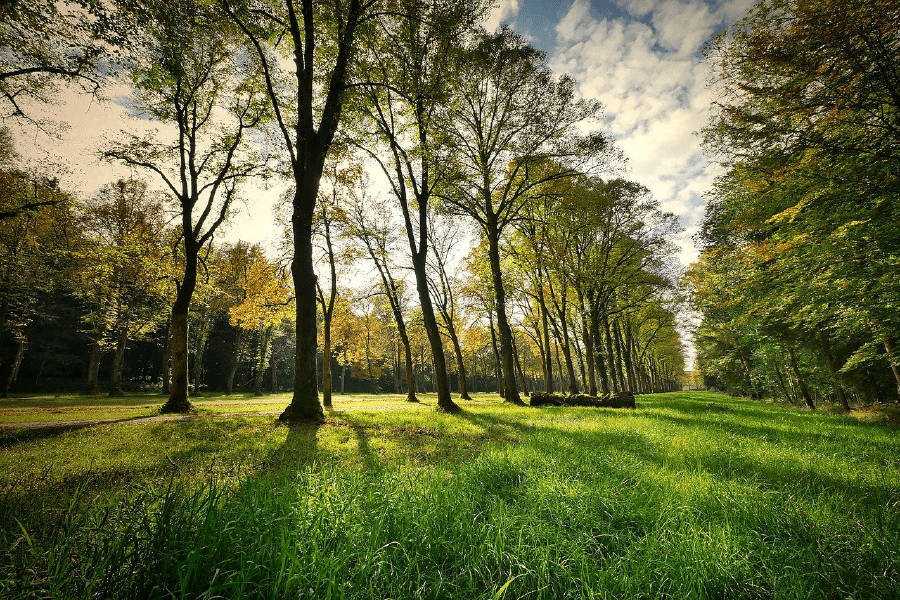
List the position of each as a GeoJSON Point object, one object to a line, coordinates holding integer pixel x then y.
{"type": "Point", "coordinates": [456, 220]}
{"type": "Point", "coordinates": [797, 283]}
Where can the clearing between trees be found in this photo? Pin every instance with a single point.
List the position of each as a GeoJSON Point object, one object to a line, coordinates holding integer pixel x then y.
{"type": "Point", "coordinates": [691, 494]}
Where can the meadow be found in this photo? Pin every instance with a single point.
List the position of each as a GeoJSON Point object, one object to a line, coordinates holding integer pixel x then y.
{"type": "Point", "coordinates": [690, 495]}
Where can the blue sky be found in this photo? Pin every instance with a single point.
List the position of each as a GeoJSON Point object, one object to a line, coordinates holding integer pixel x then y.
{"type": "Point", "coordinates": [641, 59]}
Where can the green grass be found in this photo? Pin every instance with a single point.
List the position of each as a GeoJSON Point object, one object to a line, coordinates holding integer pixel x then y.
{"type": "Point", "coordinates": [73, 407]}
{"type": "Point", "coordinates": [676, 499]}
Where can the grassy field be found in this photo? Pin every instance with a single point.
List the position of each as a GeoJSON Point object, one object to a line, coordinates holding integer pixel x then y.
{"type": "Point", "coordinates": [690, 495]}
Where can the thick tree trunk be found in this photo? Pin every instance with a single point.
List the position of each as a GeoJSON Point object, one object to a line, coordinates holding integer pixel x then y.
{"type": "Point", "coordinates": [305, 404]}
{"type": "Point", "coordinates": [511, 393]}
{"type": "Point", "coordinates": [115, 380]}
{"type": "Point", "coordinates": [178, 397]}
{"type": "Point", "coordinates": [588, 347]}
{"type": "Point", "coordinates": [610, 355]}
{"type": "Point", "coordinates": [16, 364]}
{"type": "Point", "coordinates": [804, 391]}
{"type": "Point", "coordinates": [619, 347]}
{"type": "Point", "coordinates": [597, 343]}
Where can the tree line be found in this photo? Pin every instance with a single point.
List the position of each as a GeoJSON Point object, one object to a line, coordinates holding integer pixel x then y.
{"type": "Point", "coordinates": [474, 136]}
{"type": "Point", "coordinates": [797, 283]}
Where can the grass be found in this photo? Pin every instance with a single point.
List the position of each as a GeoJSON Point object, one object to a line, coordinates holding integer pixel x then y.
{"type": "Point", "coordinates": [64, 408]}
{"type": "Point", "coordinates": [691, 495]}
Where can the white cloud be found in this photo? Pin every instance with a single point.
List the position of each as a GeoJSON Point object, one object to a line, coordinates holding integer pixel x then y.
{"type": "Point", "coordinates": [650, 78]}
{"type": "Point", "coordinates": [503, 12]}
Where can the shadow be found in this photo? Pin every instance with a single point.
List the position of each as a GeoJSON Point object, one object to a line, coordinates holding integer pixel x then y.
{"type": "Point", "coordinates": [11, 435]}
{"type": "Point", "coordinates": [359, 429]}
{"type": "Point", "coordinates": [298, 451]}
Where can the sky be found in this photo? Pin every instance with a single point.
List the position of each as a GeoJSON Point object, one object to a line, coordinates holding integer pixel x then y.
{"type": "Point", "coordinates": [641, 59]}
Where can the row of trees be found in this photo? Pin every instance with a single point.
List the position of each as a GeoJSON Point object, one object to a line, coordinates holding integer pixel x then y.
{"type": "Point", "coordinates": [459, 121]}
{"type": "Point", "coordinates": [797, 284]}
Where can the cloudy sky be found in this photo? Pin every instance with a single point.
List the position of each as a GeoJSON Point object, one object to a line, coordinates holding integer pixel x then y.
{"type": "Point", "coordinates": [641, 59]}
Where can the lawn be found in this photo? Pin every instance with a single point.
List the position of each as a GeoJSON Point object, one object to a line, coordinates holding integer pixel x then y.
{"type": "Point", "coordinates": [689, 495]}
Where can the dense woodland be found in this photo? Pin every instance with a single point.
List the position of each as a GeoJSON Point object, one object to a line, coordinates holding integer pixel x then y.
{"type": "Point", "coordinates": [508, 252]}
{"type": "Point", "coordinates": [798, 282]}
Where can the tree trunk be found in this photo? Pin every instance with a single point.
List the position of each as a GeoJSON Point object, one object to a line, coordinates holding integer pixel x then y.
{"type": "Point", "coordinates": [804, 391]}
{"type": "Point", "coordinates": [610, 355]}
{"type": "Point", "coordinates": [781, 383]}
{"type": "Point", "coordinates": [588, 347]}
{"type": "Point", "coordinates": [895, 366]}
{"type": "Point", "coordinates": [833, 370]}
{"type": "Point", "coordinates": [265, 335]}
{"type": "Point", "coordinates": [166, 374]}
{"type": "Point", "coordinates": [597, 342]}
{"type": "Point", "coordinates": [439, 375]}
{"type": "Point", "coordinates": [93, 374]}
{"type": "Point", "coordinates": [498, 374]}
{"type": "Point", "coordinates": [16, 363]}
{"type": "Point", "coordinates": [547, 364]}
{"type": "Point", "coordinates": [511, 393]}
{"type": "Point", "coordinates": [518, 363]}
{"type": "Point", "coordinates": [178, 398]}
{"type": "Point", "coordinates": [305, 404]}
{"type": "Point", "coordinates": [273, 362]}
{"type": "Point", "coordinates": [326, 360]}
{"type": "Point", "coordinates": [410, 371]}
{"type": "Point", "coordinates": [115, 380]}
{"type": "Point", "coordinates": [235, 359]}
{"type": "Point", "coordinates": [460, 364]}
{"type": "Point", "coordinates": [202, 338]}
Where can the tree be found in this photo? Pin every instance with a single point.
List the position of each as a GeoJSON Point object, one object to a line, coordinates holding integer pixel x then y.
{"type": "Point", "coordinates": [187, 76]}
{"type": "Point", "coordinates": [513, 128]}
{"type": "Point", "coordinates": [370, 222]}
{"type": "Point", "coordinates": [806, 126]}
{"type": "Point", "coordinates": [43, 43]}
{"type": "Point", "coordinates": [408, 89]}
{"type": "Point", "coordinates": [35, 247]}
{"type": "Point", "coordinates": [444, 237]}
{"type": "Point", "coordinates": [122, 274]}
{"type": "Point", "coordinates": [307, 106]}
{"type": "Point", "coordinates": [267, 302]}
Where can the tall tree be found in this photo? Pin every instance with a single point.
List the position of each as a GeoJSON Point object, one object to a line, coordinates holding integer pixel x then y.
{"type": "Point", "coordinates": [370, 222]}
{"type": "Point", "coordinates": [409, 87]}
{"type": "Point", "coordinates": [189, 76]}
{"type": "Point", "coordinates": [323, 39]}
{"type": "Point", "coordinates": [513, 128]}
